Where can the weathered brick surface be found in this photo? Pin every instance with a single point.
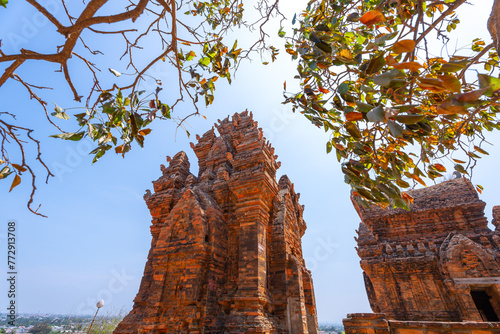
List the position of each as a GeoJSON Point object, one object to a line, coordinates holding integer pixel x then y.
{"type": "Point", "coordinates": [420, 266]}
{"type": "Point", "coordinates": [226, 254]}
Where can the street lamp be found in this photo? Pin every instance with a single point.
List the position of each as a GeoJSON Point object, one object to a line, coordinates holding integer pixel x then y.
{"type": "Point", "coordinates": [99, 305]}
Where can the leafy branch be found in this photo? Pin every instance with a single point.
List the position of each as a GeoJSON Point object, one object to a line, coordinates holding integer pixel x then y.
{"type": "Point", "coordinates": [189, 35]}
{"type": "Point", "coordinates": [393, 110]}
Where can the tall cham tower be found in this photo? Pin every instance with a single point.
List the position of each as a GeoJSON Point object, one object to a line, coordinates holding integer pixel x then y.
{"type": "Point", "coordinates": [226, 254]}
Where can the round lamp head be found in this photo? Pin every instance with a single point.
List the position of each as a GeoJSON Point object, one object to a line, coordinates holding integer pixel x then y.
{"type": "Point", "coordinates": [100, 303]}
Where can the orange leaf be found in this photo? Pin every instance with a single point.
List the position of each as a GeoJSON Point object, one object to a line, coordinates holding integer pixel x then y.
{"type": "Point", "coordinates": [18, 167]}
{"type": "Point", "coordinates": [409, 65]}
{"type": "Point", "coordinates": [284, 85]}
{"type": "Point", "coordinates": [227, 10]}
{"type": "Point", "coordinates": [372, 17]}
{"type": "Point", "coordinates": [339, 146]}
{"type": "Point", "coordinates": [447, 108]}
{"type": "Point", "coordinates": [405, 45]}
{"type": "Point", "coordinates": [418, 179]}
{"type": "Point", "coordinates": [323, 90]}
{"type": "Point", "coordinates": [15, 183]}
{"type": "Point", "coordinates": [450, 83]}
{"type": "Point", "coordinates": [471, 96]}
{"type": "Point", "coordinates": [353, 116]}
{"type": "Point", "coordinates": [215, 78]}
{"type": "Point", "coordinates": [204, 81]}
{"type": "Point", "coordinates": [440, 167]}
{"type": "Point", "coordinates": [119, 149]}
{"type": "Point", "coordinates": [390, 60]}
{"type": "Point", "coordinates": [144, 132]}
{"type": "Point", "coordinates": [407, 198]}
{"type": "Point", "coordinates": [345, 55]}
{"type": "Point", "coordinates": [432, 84]}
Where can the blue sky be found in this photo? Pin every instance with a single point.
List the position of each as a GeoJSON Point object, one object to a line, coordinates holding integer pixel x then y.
{"type": "Point", "coordinates": [95, 242]}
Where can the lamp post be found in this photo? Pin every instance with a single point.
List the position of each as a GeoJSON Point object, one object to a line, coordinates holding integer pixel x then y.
{"type": "Point", "coordinates": [99, 305]}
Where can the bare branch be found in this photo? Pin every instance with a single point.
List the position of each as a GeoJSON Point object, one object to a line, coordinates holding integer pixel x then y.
{"type": "Point", "coordinates": [49, 16]}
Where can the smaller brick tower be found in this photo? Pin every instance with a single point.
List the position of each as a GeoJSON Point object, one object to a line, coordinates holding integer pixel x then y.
{"type": "Point", "coordinates": [433, 269]}
{"type": "Point", "coordinates": [226, 254]}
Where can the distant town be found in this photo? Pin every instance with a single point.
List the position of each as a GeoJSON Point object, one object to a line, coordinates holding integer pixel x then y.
{"type": "Point", "coordinates": [55, 323]}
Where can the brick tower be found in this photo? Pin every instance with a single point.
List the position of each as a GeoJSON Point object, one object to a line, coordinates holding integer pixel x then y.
{"type": "Point", "coordinates": [433, 269]}
{"type": "Point", "coordinates": [226, 254]}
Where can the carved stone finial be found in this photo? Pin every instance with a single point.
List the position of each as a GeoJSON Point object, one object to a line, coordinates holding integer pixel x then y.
{"type": "Point", "coordinates": [421, 247]}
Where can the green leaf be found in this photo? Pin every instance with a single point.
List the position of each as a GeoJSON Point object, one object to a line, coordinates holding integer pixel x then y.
{"type": "Point", "coordinates": [325, 47]}
{"type": "Point", "coordinates": [386, 37]}
{"type": "Point", "coordinates": [4, 3]}
{"type": "Point", "coordinates": [205, 61]}
{"type": "Point", "coordinates": [395, 129]}
{"type": "Point", "coordinates": [460, 168]}
{"type": "Point", "coordinates": [454, 66]}
{"type": "Point", "coordinates": [394, 194]}
{"type": "Point", "coordinates": [405, 108]}
{"type": "Point", "coordinates": [352, 17]}
{"type": "Point", "coordinates": [99, 152]}
{"type": "Point", "coordinates": [322, 27]}
{"type": "Point", "coordinates": [409, 118]}
{"type": "Point", "coordinates": [353, 130]}
{"type": "Point", "coordinates": [5, 172]}
{"type": "Point", "coordinates": [115, 72]}
{"type": "Point", "coordinates": [376, 114]}
{"type": "Point", "coordinates": [402, 184]}
{"type": "Point", "coordinates": [190, 55]}
{"type": "Point", "coordinates": [375, 64]}
{"type": "Point", "coordinates": [492, 83]}
{"type": "Point", "coordinates": [60, 113]}
{"type": "Point", "coordinates": [343, 88]}
{"type": "Point", "coordinates": [74, 136]}
{"type": "Point", "coordinates": [399, 203]}
{"type": "Point", "coordinates": [363, 107]}
{"type": "Point", "coordinates": [329, 147]}
{"type": "Point", "coordinates": [165, 111]}
{"type": "Point", "coordinates": [385, 78]}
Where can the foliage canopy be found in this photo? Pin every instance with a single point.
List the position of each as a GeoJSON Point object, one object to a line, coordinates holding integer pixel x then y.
{"type": "Point", "coordinates": [394, 109]}
{"type": "Point", "coordinates": [369, 76]}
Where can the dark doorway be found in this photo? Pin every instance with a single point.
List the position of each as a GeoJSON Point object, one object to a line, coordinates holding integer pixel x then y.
{"type": "Point", "coordinates": [483, 304]}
